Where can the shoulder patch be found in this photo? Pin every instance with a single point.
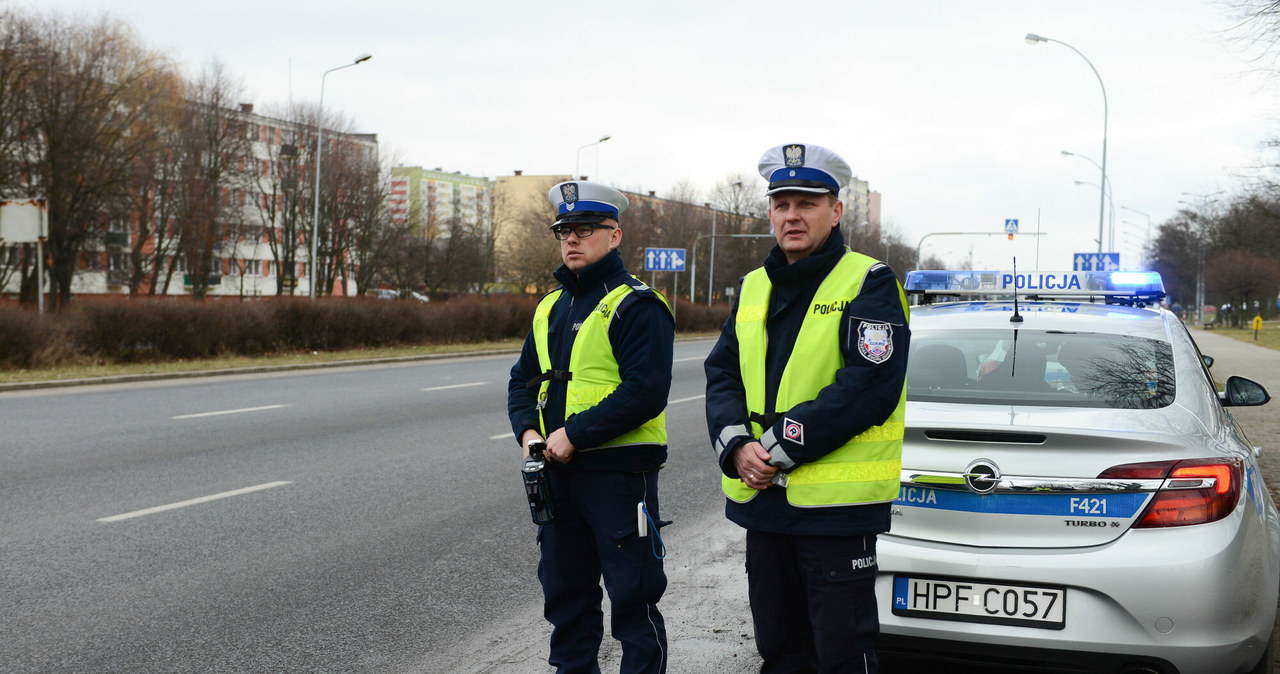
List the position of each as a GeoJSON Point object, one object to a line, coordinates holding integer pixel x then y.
{"type": "Point", "coordinates": [875, 341]}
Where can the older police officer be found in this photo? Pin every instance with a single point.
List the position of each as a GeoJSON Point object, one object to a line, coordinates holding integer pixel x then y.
{"type": "Point", "coordinates": [593, 380]}
{"type": "Point", "coordinates": [805, 400]}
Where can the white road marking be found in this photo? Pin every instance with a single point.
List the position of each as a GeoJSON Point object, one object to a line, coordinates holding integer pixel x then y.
{"type": "Point", "coordinates": [681, 360]}
{"type": "Point", "coordinates": [499, 436]}
{"type": "Point", "coordinates": [443, 388]}
{"type": "Point", "coordinates": [214, 414]}
{"type": "Point", "coordinates": [685, 400]}
{"type": "Point", "coordinates": [194, 501]}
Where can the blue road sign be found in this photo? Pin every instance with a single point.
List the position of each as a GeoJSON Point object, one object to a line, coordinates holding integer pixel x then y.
{"type": "Point", "coordinates": [664, 259]}
{"type": "Point", "coordinates": [1011, 225]}
{"type": "Point", "coordinates": [1096, 261]}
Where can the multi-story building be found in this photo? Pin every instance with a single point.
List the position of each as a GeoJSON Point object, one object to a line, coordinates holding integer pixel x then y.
{"type": "Point", "coordinates": [435, 200]}
{"type": "Point", "coordinates": [260, 203]}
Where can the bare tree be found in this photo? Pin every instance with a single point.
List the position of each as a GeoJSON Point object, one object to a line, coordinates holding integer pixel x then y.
{"type": "Point", "coordinates": [532, 253]}
{"type": "Point", "coordinates": [15, 75]}
{"type": "Point", "coordinates": [282, 177]}
{"type": "Point", "coordinates": [86, 113]}
{"type": "Point", "coordinates": [212, 146]}
{"type": "Point", "coordinates": [377, 240]}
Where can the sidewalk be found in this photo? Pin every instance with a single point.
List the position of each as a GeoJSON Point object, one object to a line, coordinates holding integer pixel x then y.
{"type": "Point", "coordinates": [705, 608]}
{"type": "Point", "coordinates": [1262, 424]}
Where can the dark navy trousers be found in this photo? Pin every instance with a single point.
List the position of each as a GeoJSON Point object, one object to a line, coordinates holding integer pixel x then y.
{"type": "Point", "coordinates": [594, 534]}
{"type": "Point", "coordinates": [813, 602]}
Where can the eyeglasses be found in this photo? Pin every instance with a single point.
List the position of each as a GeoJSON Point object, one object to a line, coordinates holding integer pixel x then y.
{"type": "Point", "coordinates": [583, 231]}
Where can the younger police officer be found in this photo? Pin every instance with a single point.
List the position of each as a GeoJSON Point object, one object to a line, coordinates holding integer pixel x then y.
{"type": "Point", "coordinates": [805, 399]}
{"type": "Point", "coordinates": [592, 380]}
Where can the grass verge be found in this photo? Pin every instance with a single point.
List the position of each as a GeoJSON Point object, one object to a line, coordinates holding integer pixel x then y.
{"type": "Point", "coordinates": [87, 369]}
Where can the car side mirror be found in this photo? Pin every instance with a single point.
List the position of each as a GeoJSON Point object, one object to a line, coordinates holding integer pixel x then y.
{"type": "Point", "coordinates": [1241, 392]}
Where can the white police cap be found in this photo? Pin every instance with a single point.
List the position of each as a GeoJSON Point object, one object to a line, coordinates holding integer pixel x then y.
{"type": "Point", "coordinates": [582, 201]}
{"type": "Point", "coordinates": [804, 168]}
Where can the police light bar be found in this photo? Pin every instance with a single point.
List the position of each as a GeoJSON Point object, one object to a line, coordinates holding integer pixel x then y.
{"type": "Point", "coordinates": [1135, 284]}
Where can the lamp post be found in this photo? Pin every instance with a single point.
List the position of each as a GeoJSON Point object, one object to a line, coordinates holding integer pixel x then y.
{"type": "Point", "coordinates": [315, 221]}
{"type": "Point", "coordinates": [1032, 38]}
{"type": "Point", "coordinates": [1206, 202]}
{"type": "Point", "coordinates": [711, 264]}
{"type": "Point", "coordinates": [1111, 237]}
{"type": "Point", "coordinates": [1111, 242]}
{"type": "Point", "coordinates": [1147, 245]}
{"type": "Point", "coordinates": [577, 174]}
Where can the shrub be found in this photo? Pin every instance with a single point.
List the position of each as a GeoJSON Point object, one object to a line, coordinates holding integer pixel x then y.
{"type": "Point", "coordinates": [27, 339]}
{"type": "Point", "coordinates": [138, 329]}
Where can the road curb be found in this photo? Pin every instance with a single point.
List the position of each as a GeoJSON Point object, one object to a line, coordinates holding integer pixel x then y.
{"type": "Point", "coordinates": [192, 374]}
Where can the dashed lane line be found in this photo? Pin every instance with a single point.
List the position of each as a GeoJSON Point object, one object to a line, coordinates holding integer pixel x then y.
{"type": "Point", "coordinates": [191, 502]}
{"type": "Point", "coordinates": [221, 412]}
{"type": "Point", "coordinates": [451, 386]}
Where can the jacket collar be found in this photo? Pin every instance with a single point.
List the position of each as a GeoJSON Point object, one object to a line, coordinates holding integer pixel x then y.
{"type": "Point", "coordinates": [599, 273]}
{"type": "Point", "coordinates": [821, 262]}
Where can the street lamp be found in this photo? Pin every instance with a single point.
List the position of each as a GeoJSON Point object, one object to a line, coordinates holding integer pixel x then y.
{"type": "Point", "coordinates": [1206, 201]}
{"type": "Point", "coordinates": [1111, 242]}
{"type": "Point", "coordinates": [1032, 38]}
{"type": "Point", "coordinates": [315, 221]}
{"type": "Point", "coordinates": [577, 175]}
{"type": "Point", "coordinates": [711, 264]}
{"type": "Point", "coordinates": [1111, 238]}
{"type": "Point", "coordinates": [1148, 217]}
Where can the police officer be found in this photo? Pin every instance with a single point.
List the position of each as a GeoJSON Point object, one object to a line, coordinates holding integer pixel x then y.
{"type": "Point", "coordinates": [592, 380]}
{"type": "Point", "coordinates": [805, 399]}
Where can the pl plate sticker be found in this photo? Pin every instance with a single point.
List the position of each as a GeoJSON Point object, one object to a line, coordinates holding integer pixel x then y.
{"type": "Point", "coordinates": [793, 431]}
{"type": "Point", "coordinates": [875, 341]}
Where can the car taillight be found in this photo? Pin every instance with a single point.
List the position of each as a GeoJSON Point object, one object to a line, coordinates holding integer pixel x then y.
{"type": "Point", "coordinates": [1195, 491]}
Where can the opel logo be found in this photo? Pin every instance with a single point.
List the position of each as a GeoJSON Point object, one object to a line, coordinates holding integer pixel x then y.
{"type": "Point", "coordinates": [982, 476]}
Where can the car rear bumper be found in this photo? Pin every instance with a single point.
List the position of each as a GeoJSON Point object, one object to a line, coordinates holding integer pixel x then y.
{"type": "Point", "coordinates": [1191, 600]}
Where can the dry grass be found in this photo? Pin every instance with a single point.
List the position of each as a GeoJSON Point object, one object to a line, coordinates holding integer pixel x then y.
{"type": "Point", "coordinates": [86, 368]}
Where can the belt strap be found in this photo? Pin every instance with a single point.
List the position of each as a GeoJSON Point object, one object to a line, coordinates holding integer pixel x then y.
{"type": "Point", "coordinates": [766, 421]}
{"type": "Point", "coordinates": [549, 375]}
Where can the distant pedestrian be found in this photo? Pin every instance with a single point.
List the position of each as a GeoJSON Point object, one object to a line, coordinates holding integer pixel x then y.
{"type": "Point", "coordinates": [805, 402]}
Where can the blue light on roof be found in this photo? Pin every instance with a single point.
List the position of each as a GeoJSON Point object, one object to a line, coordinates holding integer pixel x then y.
{"type": "Point", "coordinates": [1136, 285]}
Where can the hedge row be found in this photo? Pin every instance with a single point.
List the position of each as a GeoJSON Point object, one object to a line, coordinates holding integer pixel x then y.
{"type": "Point", "coordinates": [124, 329]}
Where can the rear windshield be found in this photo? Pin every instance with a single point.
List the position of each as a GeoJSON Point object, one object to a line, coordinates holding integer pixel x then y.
{"type": "Point", "coordinates": [1024, 367]}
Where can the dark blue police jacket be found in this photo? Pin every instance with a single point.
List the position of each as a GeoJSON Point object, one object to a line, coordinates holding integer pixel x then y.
{"type": "Point", "coordinates": [865, 393]}
{"type": "Point", "coordinates": [641, 334]}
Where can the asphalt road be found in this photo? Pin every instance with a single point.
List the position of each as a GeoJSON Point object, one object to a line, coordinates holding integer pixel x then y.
{"type": "Point", "coordinates": [385, 530]}
{"type": "Point", "coordinates": [366, 519]}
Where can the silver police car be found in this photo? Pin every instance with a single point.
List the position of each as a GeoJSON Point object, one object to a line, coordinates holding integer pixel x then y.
{"type": "Point", "coordinates": [1076, 496]}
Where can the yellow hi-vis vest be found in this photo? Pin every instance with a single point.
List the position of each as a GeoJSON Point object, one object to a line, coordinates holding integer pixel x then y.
{"type": "Point", "coordinates": [866, 469]}
{"type": "Point", "coordinates": [593, 370]}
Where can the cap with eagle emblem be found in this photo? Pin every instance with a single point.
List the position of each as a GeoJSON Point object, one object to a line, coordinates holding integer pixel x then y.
{"type": "Point", "coordinates": [797, 167]}
{"type": "Point", "coordinates": [582, 201]}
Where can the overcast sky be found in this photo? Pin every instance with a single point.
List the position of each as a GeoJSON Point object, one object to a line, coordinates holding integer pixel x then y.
{"type": "Point", "coordinates": [941, 105]}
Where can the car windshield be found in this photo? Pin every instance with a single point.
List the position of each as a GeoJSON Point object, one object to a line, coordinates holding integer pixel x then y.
{"type": "Point", "coordinates": [1025, 367]}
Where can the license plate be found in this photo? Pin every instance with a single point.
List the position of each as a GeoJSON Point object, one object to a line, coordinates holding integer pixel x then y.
{"type": "Point", "coordinates": [1042, 606]}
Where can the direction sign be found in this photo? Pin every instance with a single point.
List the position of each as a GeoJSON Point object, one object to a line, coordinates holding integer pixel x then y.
{"type": "Point", "coordinates": [664, 259]}
{"type": "Point", "coordinates": [1096, 261]}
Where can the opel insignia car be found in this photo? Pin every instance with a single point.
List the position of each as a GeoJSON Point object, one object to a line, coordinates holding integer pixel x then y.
{"type": "Point", "coordinates": [1076, 495]}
